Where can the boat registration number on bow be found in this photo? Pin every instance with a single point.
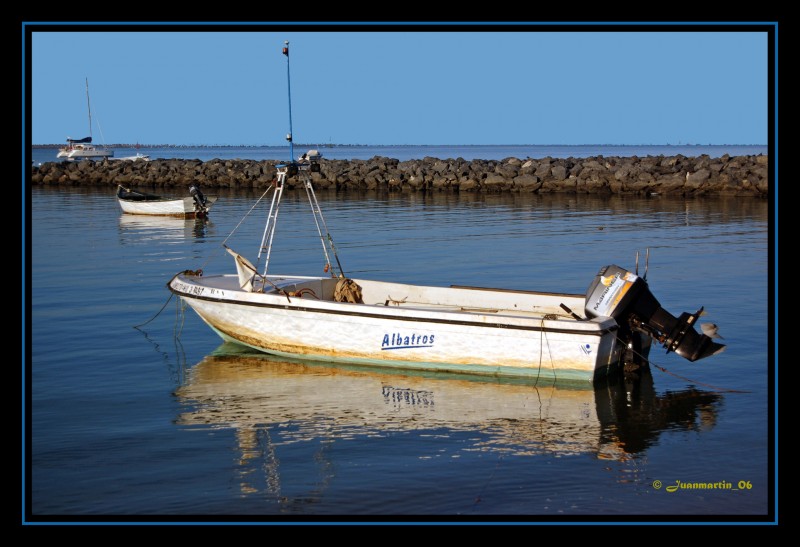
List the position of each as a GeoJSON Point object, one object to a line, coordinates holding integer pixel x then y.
{"type": "Point", "coordinates": [189, 289]}
{"type": "Point", "coordinates": [397, 340]}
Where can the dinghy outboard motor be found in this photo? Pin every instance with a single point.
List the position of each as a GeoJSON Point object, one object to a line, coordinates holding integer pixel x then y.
{"type": "Point", "coordinates": [624, 296]}
{"type": "Point", "coordinates": [310, 161]}
{"type": "Point", "coordinates": [197, 195]}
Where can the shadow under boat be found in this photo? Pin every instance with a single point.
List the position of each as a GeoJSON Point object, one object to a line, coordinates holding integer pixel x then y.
{"type": "Point", "coordinates": [302, 401]}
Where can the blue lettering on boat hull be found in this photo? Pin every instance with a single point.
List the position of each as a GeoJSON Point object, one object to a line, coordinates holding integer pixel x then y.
{"type": "Point", "coordinates": [400, 341]}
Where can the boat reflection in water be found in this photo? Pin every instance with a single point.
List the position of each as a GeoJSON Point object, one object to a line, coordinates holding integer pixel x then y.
{"type": "Point", "coordinates": [163, 228]}
{"type": "Point", "coordinates": [274, 402]}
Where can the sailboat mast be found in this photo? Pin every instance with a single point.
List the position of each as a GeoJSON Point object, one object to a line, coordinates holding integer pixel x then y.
{"type": "Point", "coordinates": [89, 107]}
{"type": "Point", "coordinates": [289, 87]}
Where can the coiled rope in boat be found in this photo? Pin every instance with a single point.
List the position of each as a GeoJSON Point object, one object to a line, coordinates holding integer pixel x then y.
{"type": "Point", "coordinates": [347, 290]}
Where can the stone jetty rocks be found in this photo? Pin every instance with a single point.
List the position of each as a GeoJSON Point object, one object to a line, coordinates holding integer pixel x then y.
{"type": "Point", "coordinates": [663, 175]}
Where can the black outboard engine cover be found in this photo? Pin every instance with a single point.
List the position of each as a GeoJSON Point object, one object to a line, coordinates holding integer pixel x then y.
{"type": "Point", "coordinates": [197, 195]}
{"type": "Point", "coordinates": [626, 297]}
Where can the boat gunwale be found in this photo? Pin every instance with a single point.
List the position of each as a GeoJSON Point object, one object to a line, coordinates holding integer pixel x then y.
{"type": "Point", "coordinates": [149, 198]}
{"type": "Point", "coordinates": [161, 199]}
{"type": "Point", "coordinates": [409, 314]}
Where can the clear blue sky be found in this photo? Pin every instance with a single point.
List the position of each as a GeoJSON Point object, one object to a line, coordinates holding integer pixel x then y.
{"type": "Point", "coordinates": [380, 87]}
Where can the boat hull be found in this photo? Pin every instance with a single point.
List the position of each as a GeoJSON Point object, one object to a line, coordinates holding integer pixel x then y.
{"type": "Point", "coordinates": [424, 334]}
{"type": "Point", "coordinates": [84, 153]}
{"type": "Point", "coordinates": [184, 207]}
{"type": "Point", "coordinates": [137, 157]}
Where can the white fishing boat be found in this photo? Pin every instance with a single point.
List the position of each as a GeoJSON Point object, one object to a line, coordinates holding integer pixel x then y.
{"type": "Point", "coordinates": [495, 332]}
{"type": "Point", "coordinates": [195, 205]}
{"type": "Point", "coordinates": [83, 149]}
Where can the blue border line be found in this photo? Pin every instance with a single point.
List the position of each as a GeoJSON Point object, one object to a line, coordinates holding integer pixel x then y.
{"type": "Point", "coordinates": [773, 184]}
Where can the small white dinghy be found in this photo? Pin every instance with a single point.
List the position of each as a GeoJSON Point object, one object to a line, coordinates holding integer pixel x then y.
{"type": "Point", "coordinates": [195, 205]}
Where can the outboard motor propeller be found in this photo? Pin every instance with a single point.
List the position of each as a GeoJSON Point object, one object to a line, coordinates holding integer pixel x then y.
{"type": "Point", "coordinates": [624, 296]}
{"type": "Point", "coordinates": [197, 195]}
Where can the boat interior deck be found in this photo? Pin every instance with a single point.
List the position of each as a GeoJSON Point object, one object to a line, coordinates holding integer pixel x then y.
{"type": "Point", "coordinates": [454, 299]}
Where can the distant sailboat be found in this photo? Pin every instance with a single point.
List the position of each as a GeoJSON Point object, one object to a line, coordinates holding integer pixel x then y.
{"type": "Point", "coordinates": [83, 149]}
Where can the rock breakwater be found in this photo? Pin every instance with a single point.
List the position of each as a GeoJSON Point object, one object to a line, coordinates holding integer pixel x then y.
{"type": "Point", "coordinates": [673, 175]}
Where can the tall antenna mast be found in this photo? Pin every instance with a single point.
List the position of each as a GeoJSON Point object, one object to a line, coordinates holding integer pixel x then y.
{"type": "Point", "coordinates": [289, 86]}
{"type": "Point", "coordinates": [89, 107]}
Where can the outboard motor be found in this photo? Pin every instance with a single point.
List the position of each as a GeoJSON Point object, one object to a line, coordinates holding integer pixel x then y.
{"type": "Point", "coordinates": [313, 157]}
{"type": "Point", "coordinates": [197, 195]}
{"type": "Point", "coordinates": [624, 296]}
{"type": "Point", "coordinates": [309, 161]}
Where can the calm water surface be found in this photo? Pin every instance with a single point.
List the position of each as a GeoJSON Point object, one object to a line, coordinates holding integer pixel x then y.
{"type": "Point", "coordinates": [166, 422]}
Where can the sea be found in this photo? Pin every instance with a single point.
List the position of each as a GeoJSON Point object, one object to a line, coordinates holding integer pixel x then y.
{"type": "Point", "coordinates": [135, 412]}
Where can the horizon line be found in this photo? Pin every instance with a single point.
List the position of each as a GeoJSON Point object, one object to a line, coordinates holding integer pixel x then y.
{"type": "Point", "coordinates": [330, 145]}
